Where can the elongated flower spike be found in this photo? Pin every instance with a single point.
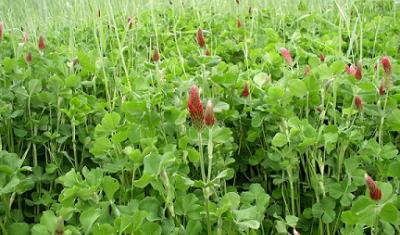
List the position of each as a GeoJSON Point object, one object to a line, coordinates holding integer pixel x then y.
{"type": "Point", "coordinates": [209, 117]}
{"type": "Point", "coordinates": [195, 107]}
{"type": "Point", "coordinates": [41, 43]}
{"type": "Point", "coordinates": [130, 22]}
{"type": "Point", "coordinates": [286, 55]}
{"type": "Point", "coordinates": [246, 90]}
{"type": "Point", "coordinates": [355, 71]}
{"type": "Point", "coordinates": [374, 191]}
{"type": "Point", "coordinates": [307, 70]}
{"type": "Point", "coordinates": [350, 69]}
{"type": "Point", "coordinates": [322, 58]}
{"type": "Point", "coordinates": [238, 23]}
{"type": "Point", "coordinates": [382, 90]}
{"type": "Point", "coordinates": [201, 41]}
{"type": "Point", "coordinates": [156, 55]}
{"type": "Point", "coordinates": [358, 71]}
{"type": "Point", "coordinates": [1, 30]}
{"type": "Point", "coordinates": [387, 66]}
{"type": "Point", "coordinates": [28, 57]}
{"type": "Point", "coordinates": [358, 102]}
{"type": "Point", "coordinates": [25, 37]}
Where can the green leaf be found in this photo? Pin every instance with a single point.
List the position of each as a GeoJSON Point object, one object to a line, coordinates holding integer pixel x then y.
{"type": "Point", "coordinates": [389, 151]}
{"type": "Point", "coordinates": [86, 61]}
{"type": "Point", "coordinates": [152, 163]}
{"type": "Point", "coordinates": [245, 214]}
{"type": "Point", "coordinates": [364, 210]}
{"type": "Point", "coordinates": [394, 169]}
{"type": "Point", "coordinates": [387, 190]}
{"type": "Point", "coordinates": [49, 220]}
{"type": "Point", "coordinates": [221, 106]}
{"type": "Point", "coordinates": [152, 206]}
{"type": "Point", "coordinates": [193, 227]}
{"type": "Point", "coordinates": [393, 121]}
{"type": "Point", "coordinates": [257, 119]}
{"type": "Point", "coordinates": [34, 86]}
{"type": "Point", "coordinates": [297, 87]}
{"type": "Point", "coordinates": [103, 229]}
{"type": "Point", "coordinates": [87, 219]}
{"type": "Point", "coordinates": [389, 213]}
{"type": "Point", "coordinates": [335, 190]}
{"type": "Point", "coordinates": [325, 208]}
{"type": "Point", "coordinates": [72, 81]}
{"type": "Point", "coordinates": [151, 228]}
{"type": "Point", "coordinates": [70, 179]}
{"type": "Point", "coordinates": [349, 218]}
{"type": "Point", "coordinates": [231, 200]}
{"type": "Point", "coordinates": [18, 229]}
{"type": "Point", "coordinates": [260, 79]}
{"type": "Point", "coordinates": [40, 229]}
{"type": "Point", "coordinates": [279, 140]}
{"type": "Point", "coordinates": [138, 219]}
{"type": "Point", "coordinates": [9, 64]}
{"type": "Point", "coordinates": [291, 220]}
{"type": "Point", "coordinates": [144, 180]}
{"type": "Point", "coordinates": [346, 199]}
{"type": "Point", "coordinates": [101, 146]}
{"type": "Point", "coordinates": [337, 67]}
{"type": "Point", "coordinates": [276, 92]}
{"type": "Point", "coordinates": [222, 135]}
{"type": "Point", "coordinates": [110, 186]}
{"type": "Point", "coordinates": [110, 121]}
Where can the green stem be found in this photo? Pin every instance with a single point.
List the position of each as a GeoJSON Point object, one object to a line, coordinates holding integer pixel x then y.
{"type": "Point", "coordinates": [203, 175]}
{"type": "Point", "coordinates": [382, 119]}
{"type": "Point", "coordinates": [210, 153]}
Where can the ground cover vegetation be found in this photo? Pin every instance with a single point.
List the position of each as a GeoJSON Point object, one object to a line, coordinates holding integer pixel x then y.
{"type": "Point", "coordinates": [199, 117]}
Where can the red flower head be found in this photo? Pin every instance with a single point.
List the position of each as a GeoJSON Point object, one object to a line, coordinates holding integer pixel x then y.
{"type": "Point", "coordinates": [41, 43]}
{"type": "Point", "coordinates": [286, 55]}
{"type": "Point", "coordinates": [246, 90]}
{"type": "Point", "coordinates": [28, 57]}
{"type": "Point", "coordinates": [374, 191]}
{"type": "Point", "coordinates": [350, 69]}
{"type": "Point", "coordinates": [358, 102]}
{"type": "Point", "coordinates": [1, 30]}
{"type": "Point", "coordinates": [238, 23]}
{"type": "Point", "coordinates": [387, 66]}
{"type": "Point", "coordinates": [382, 89]}
{"type": "Point", "coordinates": [200, 38]}
{"type": "Point", "coordinates": [322, 58]}
{"type": "Point", "coordinates": [207, 52]}
{"type": "Point", "coordinates": [130, 21]}
{"type": "Point", "coordinates": [25, 37]}
{"type": "Point", "coordinates": [209, 117]}
{"type": "Point", "coordinates": [355, 71]}
{"type": "Point", "coordinates": [195, 107]}
{"type": "Point", "coordinates": [307, 70]}
{"type": "Point", "coordinates": [156, 55]}
{"type": "Point", "coordinates": [358, 72]}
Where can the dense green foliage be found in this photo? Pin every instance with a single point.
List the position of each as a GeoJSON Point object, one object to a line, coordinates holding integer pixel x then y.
{"type": "Point", "coordinates": [96, 136]}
